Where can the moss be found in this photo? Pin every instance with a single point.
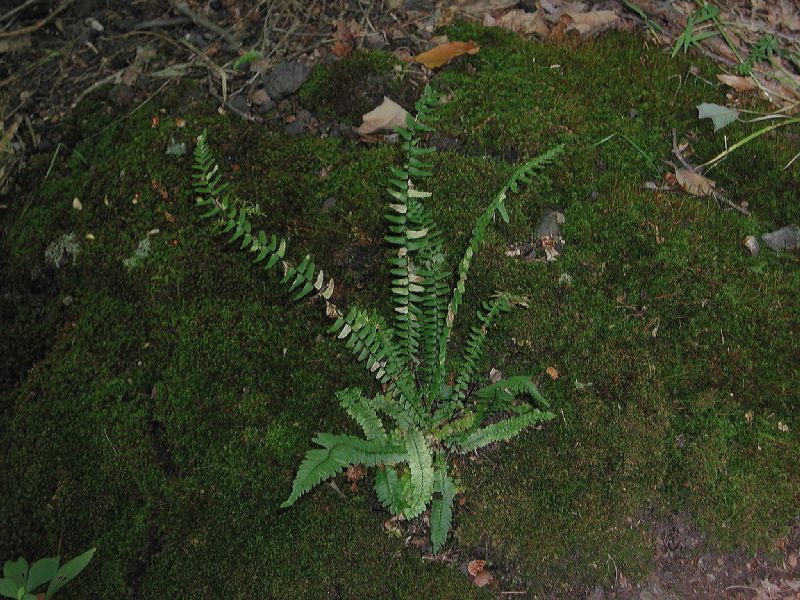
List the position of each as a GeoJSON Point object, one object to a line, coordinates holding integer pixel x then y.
{"type": "Point", "coordinates": [346, 89]}
{"type": "Point", "coordinates": [161, 414]}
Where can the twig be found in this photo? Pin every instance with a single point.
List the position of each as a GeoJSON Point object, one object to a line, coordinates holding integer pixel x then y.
{"type": "Point", "coordinates": [17, 9]}
{"type": "Point", "coordinates": [40, 23]}
{"type": "Point", "coordinates": [200, 20]}
{"type": "Point", "coordinates": [115, 77]}
{"type": "Point", "coordinates": [161, 22]}
{"type": "Point", "coordinates": [214, 66]}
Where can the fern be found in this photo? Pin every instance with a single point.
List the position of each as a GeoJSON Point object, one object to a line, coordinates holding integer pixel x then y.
{"type": "Point", "coordinates": [416, 416]}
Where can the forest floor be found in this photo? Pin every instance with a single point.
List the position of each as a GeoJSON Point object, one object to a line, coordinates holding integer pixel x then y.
{"type": "Point", "coordinates": [157, 392]}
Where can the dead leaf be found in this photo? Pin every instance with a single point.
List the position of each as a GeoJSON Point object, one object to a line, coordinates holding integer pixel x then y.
{"type": "Point", "coordinates": [480, 7]}
{"type": "Point", "coordinates": [475, 566]}
{"type": "Point", "coordinates": [748, 416]}
{"type": "Point", "coordinates": [76, 204]}
{"type": "Point", "coordinates": [740, 84]}
{"type": "Point", "coordinates": [483, 579]}
{"type": "Point", "coordinates": [441, 55]}
{"type": "Point", "coordinates": [169, 217]}
{"type": "Point", "coordinates": [519, 21]}
{"type": "Point", "coordinates": [129, 76]}
{"type": "Point", "coordinates": [694, 183]}
{"type": "Point", "coordinates": [591, 22]}
{"type": "Point", "coordinates": [495, 375]}
{"type": "Point", "coordinates": [387, 116]}
{"type": "Point", "coordinates": [783, 427]}
{"type": "Point", "coordinates": [553, 372]}
{"type": "Point", "coordinates": [355, 473]}
{"type": "Point", "coordinates": [344, 40]}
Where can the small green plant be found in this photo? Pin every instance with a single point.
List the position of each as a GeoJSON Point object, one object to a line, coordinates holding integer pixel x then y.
{"type": "Point", "coordinates": [706, 13]}
{"type": "Point", "coordinates": [767, 47]}
{"type": "Point", "coordinates": [21, 582]}
{"type": "Point", "coordinates": [421, 415]}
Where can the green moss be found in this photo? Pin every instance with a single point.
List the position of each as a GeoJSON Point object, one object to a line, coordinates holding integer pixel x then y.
{"type": "Point", "coordinates": [161, 414]}
{"type": "Point", "coordinates": [346, 89]}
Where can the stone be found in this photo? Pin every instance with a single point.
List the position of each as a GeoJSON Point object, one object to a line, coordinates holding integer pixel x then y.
{"type": "Point", "coordinates": [785, 238]}
{"type": "Point", "coordinates": [286, 79]}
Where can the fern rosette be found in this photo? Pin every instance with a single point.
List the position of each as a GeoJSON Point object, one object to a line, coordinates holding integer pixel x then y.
{"type": "Point", "coordinates": [418, 419]}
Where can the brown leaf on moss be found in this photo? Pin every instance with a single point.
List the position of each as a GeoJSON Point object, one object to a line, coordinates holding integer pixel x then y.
{"type": "Point", "coordinates": [694, 183]}
{"type": "Point", "coordinates": [475, 566]}
{"type": "Point", "coordinates": [441, 55]}
{"type": "Point", "coordinates": [740, 84]}
{"type": "Point", "coordinates": [386, 117]}
{"type": "Point", "coordinates": [344, 40]}
{"type": "Point", "coordinates": [586, 23]}
{"type": "Point", "coordinates": [519, 21]}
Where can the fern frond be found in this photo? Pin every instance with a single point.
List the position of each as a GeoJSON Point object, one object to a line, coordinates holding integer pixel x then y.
{"type": "Point", "coordinates": [337, 453]}
{"type": "Point", "coordinates": [362, 410]}
{"type": "Point", "coordinates": [390, 489]}
{"type": "Point", "coordinates": [522, 175]}
{"type": "Point", "coordinates": [442, 506]}
{"type": "Point", "coordinates": [502, 430]}
{"type": "Point", "coordinates": [411, 230]}
{"type": "Point", "coordinates": [475, 343]}
{"type": "Point", "coordinates": [420, 465]}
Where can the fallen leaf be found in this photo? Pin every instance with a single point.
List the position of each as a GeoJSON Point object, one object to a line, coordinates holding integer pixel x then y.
{"type": "Point", "coordinates": [591, 22]}
{"type": "Point", "coordinates": [694, 183]}
{"type": "Point", "coordinates": [483, 579]}
{"type": "Point", "coordinates": [783, 427]}
{"type": "Point", "coordinates": [355, 473]}
{"type": "Point", "coordinates": [519, 21]}
{"type": "Point", "coordinates": [475, 566]}
{"type": "Point", "coordinates": [495, 375]}
{"type": "Point", "coordinates": [344, 40]}
{"type": "Point", "coordinates": [129, 76]}
{"type": "Point", "coordinates": [479, 7]}
{"type": "Point", "coordinates": [76, 204]}
{"type": "Point", "coordinates": [748, 416]}
{"type": "Point", "coordinates": [387, 116]}
{"type": "Point", "coordinates": [737, 82]}
{"type": "Point", "coordinates": [552, 372]}
{"type": "Point", "coordinates": [169, 217]}
{"type": "Point", "coordinates": [441, 55]}
{"type": "Point", "coordinates": [721, 116]}
{"type": "Point", "coordinates": [90, 237]}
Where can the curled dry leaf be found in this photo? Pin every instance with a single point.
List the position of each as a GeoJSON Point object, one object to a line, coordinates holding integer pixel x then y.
{"type": "Point", "coordinates": [475, 566]}
{"type": "Point", "coordinates": [519, 21]}
{"type": "Point", "coordinates": [553, 372]}
{"type": "Point", "coordinates": [591, 22]}
{"type": "Point", "coordinates": [441, 55]}
{"type": "Point", "coordinates": [344, 40]}
{"type": "Point", "coordinates": [694, 183]}
{"type": "Point", "coordinates": [495, 375]}
{"type": "Point", "coordinates": [737, 82]}
{"type": "Point", "coordinates": [386, 117]}
{"type": "Point", "coordinates": [482, 579]}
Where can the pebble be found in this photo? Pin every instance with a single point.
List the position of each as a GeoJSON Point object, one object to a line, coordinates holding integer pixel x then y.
{"type": "Point", "coordinates": [785, 238]}
{"type": "Point", "coordinates": [286, 79]}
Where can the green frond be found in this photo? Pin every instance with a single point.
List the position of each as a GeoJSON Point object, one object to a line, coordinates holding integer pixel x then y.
{"type": "Point", "coordinates": [522, 175]}
{"type": "Point", "coordinates": [337, 453]}
{"type": "Point", "coordinates": [475, 343]}
{"type": "Point", "coordinates": [363, 411]}
{"type": "Point", "coordinates": [420, 465]}
{"type": "Point", "coordinates": [442, 506]}
{"type": "Point", "coordinates": [502, 430]}
{"type": "Point", "coordinates": [389, 488]}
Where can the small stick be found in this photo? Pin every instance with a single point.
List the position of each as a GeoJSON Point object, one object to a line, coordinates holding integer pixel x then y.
{"type": "Point", "coordinates": [39, 24]}
{"type": "Point", "coordinates": [184, 9]}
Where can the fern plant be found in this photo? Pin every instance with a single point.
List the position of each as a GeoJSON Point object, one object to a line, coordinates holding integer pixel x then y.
{"type": "Point", "coordinates": [421, 416]}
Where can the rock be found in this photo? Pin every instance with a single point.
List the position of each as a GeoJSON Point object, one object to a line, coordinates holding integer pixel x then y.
{"type": "Point", "coordinates": [239, 103]}
{"type": "Point", "coordinates": [785, 238]}
{"type": "Point", "coordinates": [294, 129]}
{"type": "Point", "coordinates": [328, 205]}
{"type": "Point", "coordinates": [286, 79]}
{"type": "Point", "coordinates": [262, 100]}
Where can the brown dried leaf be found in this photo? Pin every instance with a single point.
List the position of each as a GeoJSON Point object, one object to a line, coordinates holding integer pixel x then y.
{"type": "Point", "coordinates": [475, 566]}
{"type": "Point", "coordinates": [387, 116]}
{"type": "Point", "coordinates": [740, 84]}
{"type": "Point", "coordinates": [482, 579]}
{"type": "Point", "coordinates": [519, 21]}
{"type": "Point", "coordinates": [441, 55]}
{"type": "Point", "coordinates": [592, 22]}
{"type": "Point", "coordinates": [694, 183]}
{"type": "Point", "coordinates": [553, 372]}
{"type": "Point", "coordinates": [344, 40]}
